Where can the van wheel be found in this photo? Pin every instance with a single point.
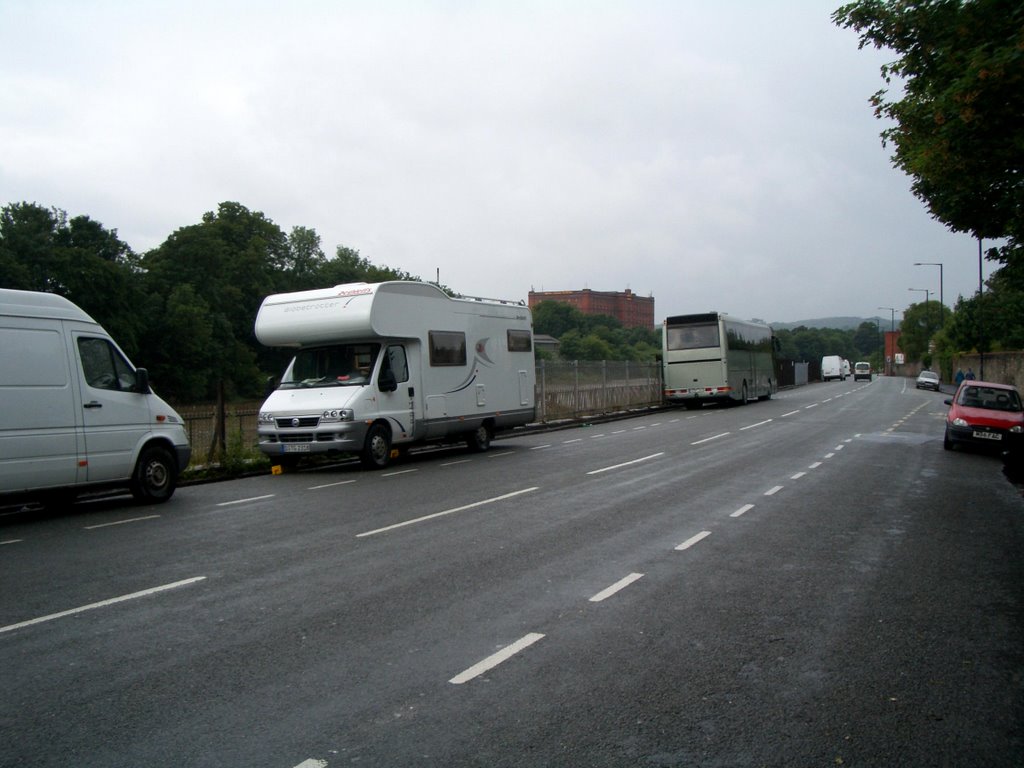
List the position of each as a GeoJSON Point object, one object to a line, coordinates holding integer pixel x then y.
{"type": "Point", "coordinates": [377, 448]}
{"type": "Point", "coordinates": [155, 476]}
{"type": "Point", "coordinates": [479, 440]}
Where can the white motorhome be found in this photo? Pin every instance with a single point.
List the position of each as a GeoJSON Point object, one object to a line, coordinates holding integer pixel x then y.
{"type": "Point", "coordinates": [832, 368]}
{"type": "Point", "coordinates": [383, 366]}
{"type": "Point", "coordinates": [74, 413]}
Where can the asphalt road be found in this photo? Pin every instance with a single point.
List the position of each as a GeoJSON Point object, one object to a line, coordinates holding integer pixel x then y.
{"type": "Point", "coordinates": [810, 581]}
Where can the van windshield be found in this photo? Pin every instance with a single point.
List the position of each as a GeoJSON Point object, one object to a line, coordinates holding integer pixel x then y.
{"type": "Point", "coordinates": [337, 365]}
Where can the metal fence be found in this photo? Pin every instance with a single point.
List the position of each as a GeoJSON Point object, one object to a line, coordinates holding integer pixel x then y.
{"type": "Point", "coordinates": [565, 390]}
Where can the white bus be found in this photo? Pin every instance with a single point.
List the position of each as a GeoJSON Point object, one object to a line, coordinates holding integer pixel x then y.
{"type": "Point", "coordinates": [713, 357]}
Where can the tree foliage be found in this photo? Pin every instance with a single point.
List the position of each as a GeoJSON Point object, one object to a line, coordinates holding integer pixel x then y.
{"type": "Point", "coordinates": [957, 127]}
{"type": "Point", "coordinates": [593, 337]}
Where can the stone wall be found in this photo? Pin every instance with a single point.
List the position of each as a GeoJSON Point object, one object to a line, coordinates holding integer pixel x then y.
{"type": "Point", "coordinates": [1003, 367]}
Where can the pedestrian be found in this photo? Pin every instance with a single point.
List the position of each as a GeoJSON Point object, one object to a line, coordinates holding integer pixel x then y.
{"type": "Point", "coordinates": [959, 376]}
{"type": "Point", "coordinates": [970, 375]}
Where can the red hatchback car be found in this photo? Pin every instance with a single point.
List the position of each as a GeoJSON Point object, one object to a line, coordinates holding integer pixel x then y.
{"type": "Point", "coordinates": [987, 414]}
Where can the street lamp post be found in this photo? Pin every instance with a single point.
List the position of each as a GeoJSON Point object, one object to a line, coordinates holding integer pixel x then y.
{"type": "Point", "coordinates": [942, 300]}
{"type": "Point", "coordinates": [892, 329]}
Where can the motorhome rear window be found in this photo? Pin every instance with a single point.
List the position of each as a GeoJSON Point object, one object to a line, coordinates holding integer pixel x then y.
{"type": "Point", "coordinates": [447, 348]}
{"type": "Point", "coordinates": [520, 341]}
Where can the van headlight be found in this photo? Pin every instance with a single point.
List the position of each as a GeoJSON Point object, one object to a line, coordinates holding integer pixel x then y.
{"type": "Point", "coordinates": [337, 414]}
{"type": "Point", "coordinates": [266, 417]}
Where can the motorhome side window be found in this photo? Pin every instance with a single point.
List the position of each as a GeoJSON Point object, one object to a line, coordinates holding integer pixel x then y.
{"type": "Point", "coordinates": [447, 348]}
{"type": "Point", "coordinates": [103, 365]}
{"type": "Point", "coordinates": [397, 363]}
{"type": "Point", "coordinates": [520, 341]}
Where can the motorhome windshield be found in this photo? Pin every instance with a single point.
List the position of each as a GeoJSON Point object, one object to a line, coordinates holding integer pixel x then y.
{"type": "Point", "coordinates": [337, 365]}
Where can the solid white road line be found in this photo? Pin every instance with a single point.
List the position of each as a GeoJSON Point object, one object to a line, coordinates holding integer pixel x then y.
{"type": "Point", "coordinates": [119, 522]}
{"type": "Point", "coordinates": [693, 540]}
{"type": "Point", "coordinates": [624, 464]}
{"type": "Point", "coordinates": [742, 510]}
{"type": "Point", "coordinates": [446, 512]}
{"type": "Point", "coordinates": [616, 587]}
{"type": "Point", "coordinates": [497, 658]}
{"type": "Point", "coordinates": [101, 604]}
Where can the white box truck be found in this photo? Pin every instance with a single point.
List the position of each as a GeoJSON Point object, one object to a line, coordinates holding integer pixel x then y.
{"type": "Point", "coordinates": [74, 413]}
{"type": "Point", "coordinates": [380, 367]}
{"type": "Point", "coordinates": [832, 368]}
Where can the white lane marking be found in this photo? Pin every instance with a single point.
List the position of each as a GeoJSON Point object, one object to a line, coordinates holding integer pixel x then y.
{"type": "Point", "coordinates": [709, 439]}
{"type": "Point", "coordinates": [624, 464]}
{"type": "Point", "coordinates": [499, 455]}
{"type": "Point", "coordinates": [576, 440]}
{"type": "Point", "coordinates": [457, 461]}
{"type": "Point", "coordinates": [119, 522]}
{"type": "Point", "coordinates": [102, 604]}
{"type": "Point", "coordinates": [595, 437]}
{"type": "Point", "coordinates": [640, 427]}
{"type": "Point", "coordinates": [246, 501]}
{"type": "Point", "coordinates": [496, 658]}
{"type": "Point", "coordinates": [616, 587]}
{"type": "Point", "coordinates": [773, 491]}
{"type": "Point", "coordinates": [446, 512]}
{"type": "Point", "coordinates": [848, 440]}
{"type": "Point", "coordinates": [812, 405]}
{"type": "Point", "coordinates": [11, 541]}
{"type": "Point", "coordinates": [742, 510]}
{"type": "Point", "coordinates": [399, 472]}
{"type": "Point", "coordinates": [791, 413]}
{"type": "Point", "coordinates": [693, 540]}
{"type": "Point", "coordinates": [330, 485]}
{"type": "Point", "coordinates": [815, 465]}
{"type": "Point", "coordinates": [797, 476]}
{"type": "Point", "coordinates": [759, 424]}
{"type": "Point", "coordinates": [839, 448]}
{"type": "Point", "coordinates": [540, 447]}
{"type": "Point", "coordinates": [829, 455]}
{"type": "Point", "coordinates": [312, 763]}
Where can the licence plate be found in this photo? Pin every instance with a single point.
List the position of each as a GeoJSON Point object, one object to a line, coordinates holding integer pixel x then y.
{"type": "Point", "coordinates": [988, 435]}
{"type": "Point", "coordinates": [295, 448]}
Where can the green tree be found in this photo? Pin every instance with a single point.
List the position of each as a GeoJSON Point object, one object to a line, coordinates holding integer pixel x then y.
{"type": "Point", "coordinates": [231, 261]}
{"type": "Point", "coordinates": [41, 249]}
{"type": "Point", "coordinates": [956, 123]}
{"type": "Point", "coordinates": [920, 323]}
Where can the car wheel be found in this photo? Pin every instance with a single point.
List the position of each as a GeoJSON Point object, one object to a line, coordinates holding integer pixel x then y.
{"type": "Point", "coordinates": [377, 447]}
{"type": "Point", "coordinates": [155, 476]}
{"type": "Point", "coordinates": [947, 443]}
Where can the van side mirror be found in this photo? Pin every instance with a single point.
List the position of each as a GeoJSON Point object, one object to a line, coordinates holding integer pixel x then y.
{"type": "Point", "coordinates": [142, 381]}
{"type": "Point", "coordinates": [387, 381]}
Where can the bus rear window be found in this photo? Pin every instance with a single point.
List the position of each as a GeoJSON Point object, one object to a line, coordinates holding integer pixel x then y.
{"type": "Point", "coordinates": [692, 336]}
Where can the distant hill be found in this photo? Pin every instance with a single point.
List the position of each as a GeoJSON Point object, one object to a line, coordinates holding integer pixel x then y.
{"type": "Point", "coordinates": [841, 323]}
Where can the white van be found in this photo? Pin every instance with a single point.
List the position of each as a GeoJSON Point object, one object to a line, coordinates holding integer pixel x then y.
{"type": "Point", "coordinates": [74, 413]}
{"type": "Point", "coordinates": [832, 368]}
{"type": "Point", "coordinates": [382, 366]}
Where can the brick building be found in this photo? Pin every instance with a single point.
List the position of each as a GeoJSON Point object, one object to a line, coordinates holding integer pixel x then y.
{"type": "Point", "coordinates": [629, 309]}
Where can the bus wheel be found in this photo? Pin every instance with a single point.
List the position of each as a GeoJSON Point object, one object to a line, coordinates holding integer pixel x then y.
{"type": "Point", "coordinates": [377, 448]}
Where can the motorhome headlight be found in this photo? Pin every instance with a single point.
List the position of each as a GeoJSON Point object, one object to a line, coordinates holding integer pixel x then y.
{"type": "Point", "coordinates": [266, 417]}
{"type": "Point", "coordinates": [338, 414]}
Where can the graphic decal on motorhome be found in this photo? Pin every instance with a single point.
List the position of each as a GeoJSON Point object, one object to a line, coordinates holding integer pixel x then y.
{"type": "Point", "coordinates": [481, 357]}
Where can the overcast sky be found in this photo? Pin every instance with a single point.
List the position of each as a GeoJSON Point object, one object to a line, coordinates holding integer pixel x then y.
{"type": "Point", "coordinates": [716, 155]}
